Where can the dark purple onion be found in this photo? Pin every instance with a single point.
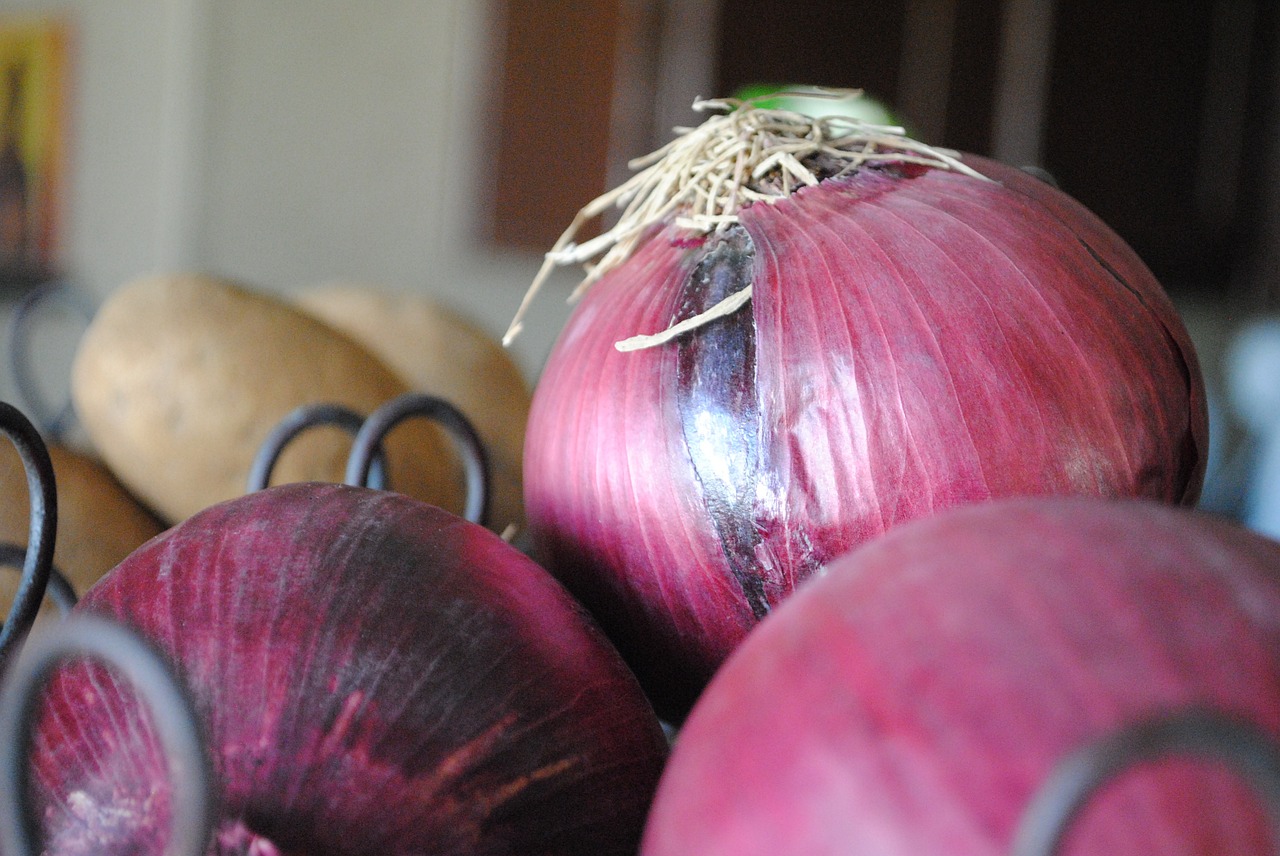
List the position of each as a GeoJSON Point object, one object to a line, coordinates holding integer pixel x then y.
{"type": "Point", "coordinates": [916, 339]}
{"type": "Point", "coordinates": [377, 677]}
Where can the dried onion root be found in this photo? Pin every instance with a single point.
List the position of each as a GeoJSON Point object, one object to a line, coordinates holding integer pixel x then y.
{"type": "Point", "coordinates": [743, 154]}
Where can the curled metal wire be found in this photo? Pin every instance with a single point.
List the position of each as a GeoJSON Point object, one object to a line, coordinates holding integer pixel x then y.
{"type": "Point", "coordinates": [59, 590]}
{"type": "Point", "coordinates": [1200, 733]}
{"type": "Point", "coordinates": [173, 716]}
{"type": "Point", "coordinates": [38, 557]}
{"type": "Point", "coordinates": [54, 422]}
{"type": "Point", "coordinates": [475, 459]}
{"type": "Point", "coordinates": [302, 418]}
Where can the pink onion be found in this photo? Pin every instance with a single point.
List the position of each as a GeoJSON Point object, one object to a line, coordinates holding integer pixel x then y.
{"type": "Point", "coordinates": [376, 676]}
{"type": "Point", "coordinates": [916, 696]}
{"type": "Point", "coordinates": [1193, 733]}
{"type": "Point", "coordinates": [917, 337]}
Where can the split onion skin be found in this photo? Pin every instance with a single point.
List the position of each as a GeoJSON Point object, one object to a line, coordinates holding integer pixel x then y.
{"type": "Point", "coordinates": [916, 340]}
{"type": "Point", "coordinates": [376, 676]}
{"type": "Point", "coordinates": [914, 698]}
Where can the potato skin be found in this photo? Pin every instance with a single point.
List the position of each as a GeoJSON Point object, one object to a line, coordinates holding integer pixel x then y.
{"type": "Point", "coordinates": [179, 378]}
{"type": "Point", "coordinates": [99, 522]}
{"type": "Point", "coordinates": [438, 351]}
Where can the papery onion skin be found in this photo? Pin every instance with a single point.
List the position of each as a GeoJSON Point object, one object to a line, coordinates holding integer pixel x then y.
{"type": "Point", "coordinates": [913, 698]}
{"type": "Point", "coordinates": [916, 339]}
{"type": "Point", "coordinates": [377, 676]}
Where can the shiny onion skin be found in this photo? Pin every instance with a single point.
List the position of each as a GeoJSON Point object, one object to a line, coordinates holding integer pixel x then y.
{"type": "Point", "coordinates": [376, 676]}
{"type": "Point", "coordinates": [917, 339]}
{"type": "Point", "coordinates": [917, 695]}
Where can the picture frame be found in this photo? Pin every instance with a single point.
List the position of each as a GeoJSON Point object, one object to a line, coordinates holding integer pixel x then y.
{"type": "Point", "coordinates": [33, 69]}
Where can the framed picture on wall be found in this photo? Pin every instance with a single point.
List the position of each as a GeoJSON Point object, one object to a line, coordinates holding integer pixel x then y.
{"type": "Point", "coordinates": [32, 129]}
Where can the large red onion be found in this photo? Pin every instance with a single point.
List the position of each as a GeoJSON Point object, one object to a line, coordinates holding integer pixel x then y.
{"type": "Point", "coordinates": [917, 337]}
{"type": "Point", "coordinates": [914, 697]}
{"type": "Point", "coordinates": [376, 675]}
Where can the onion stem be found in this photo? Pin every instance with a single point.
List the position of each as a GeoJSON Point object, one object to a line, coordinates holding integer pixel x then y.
{"type": "Point", "coordinates": [742, 155]}
{"type": "Point", "coordinates": [728, 306]}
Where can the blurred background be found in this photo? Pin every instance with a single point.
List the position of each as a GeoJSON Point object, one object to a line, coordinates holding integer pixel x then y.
{"type": "Point", "coordinates": [440, 146]}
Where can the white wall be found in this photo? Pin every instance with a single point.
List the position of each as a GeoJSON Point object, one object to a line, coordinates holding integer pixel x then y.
{"type": "Point", "coordinates": [110, 228]}
{"type": "Point", "coordinates": [343, 139]}
{"type": "Point", "coordinates": [286, 143]}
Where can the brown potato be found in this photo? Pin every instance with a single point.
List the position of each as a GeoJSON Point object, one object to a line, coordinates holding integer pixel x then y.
{"type": "Point", "coordinates": [438, 351]}
{"type": "Point", "coordinates": [179, 379]}
{"type": "Point", "coordinates": [99, 522]}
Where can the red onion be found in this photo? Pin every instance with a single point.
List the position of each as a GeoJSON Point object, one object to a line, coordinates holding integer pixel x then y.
{"type": "Point", "coordinates": [918, 336]}
{"type": "Point", "coordinates": [376, 675]}
{"type": "Point", "coordinates": [180, 744]}
{"type": "Point", "coordinates": [915, 696]}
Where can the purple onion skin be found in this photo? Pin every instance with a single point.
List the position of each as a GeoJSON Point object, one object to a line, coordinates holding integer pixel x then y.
{"type": "Point", "coordinates": [914, 697]}
{"type": "Point", "coordinates": [377, 676]}
{"type": "Point", "coordinates": [914, 342]}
